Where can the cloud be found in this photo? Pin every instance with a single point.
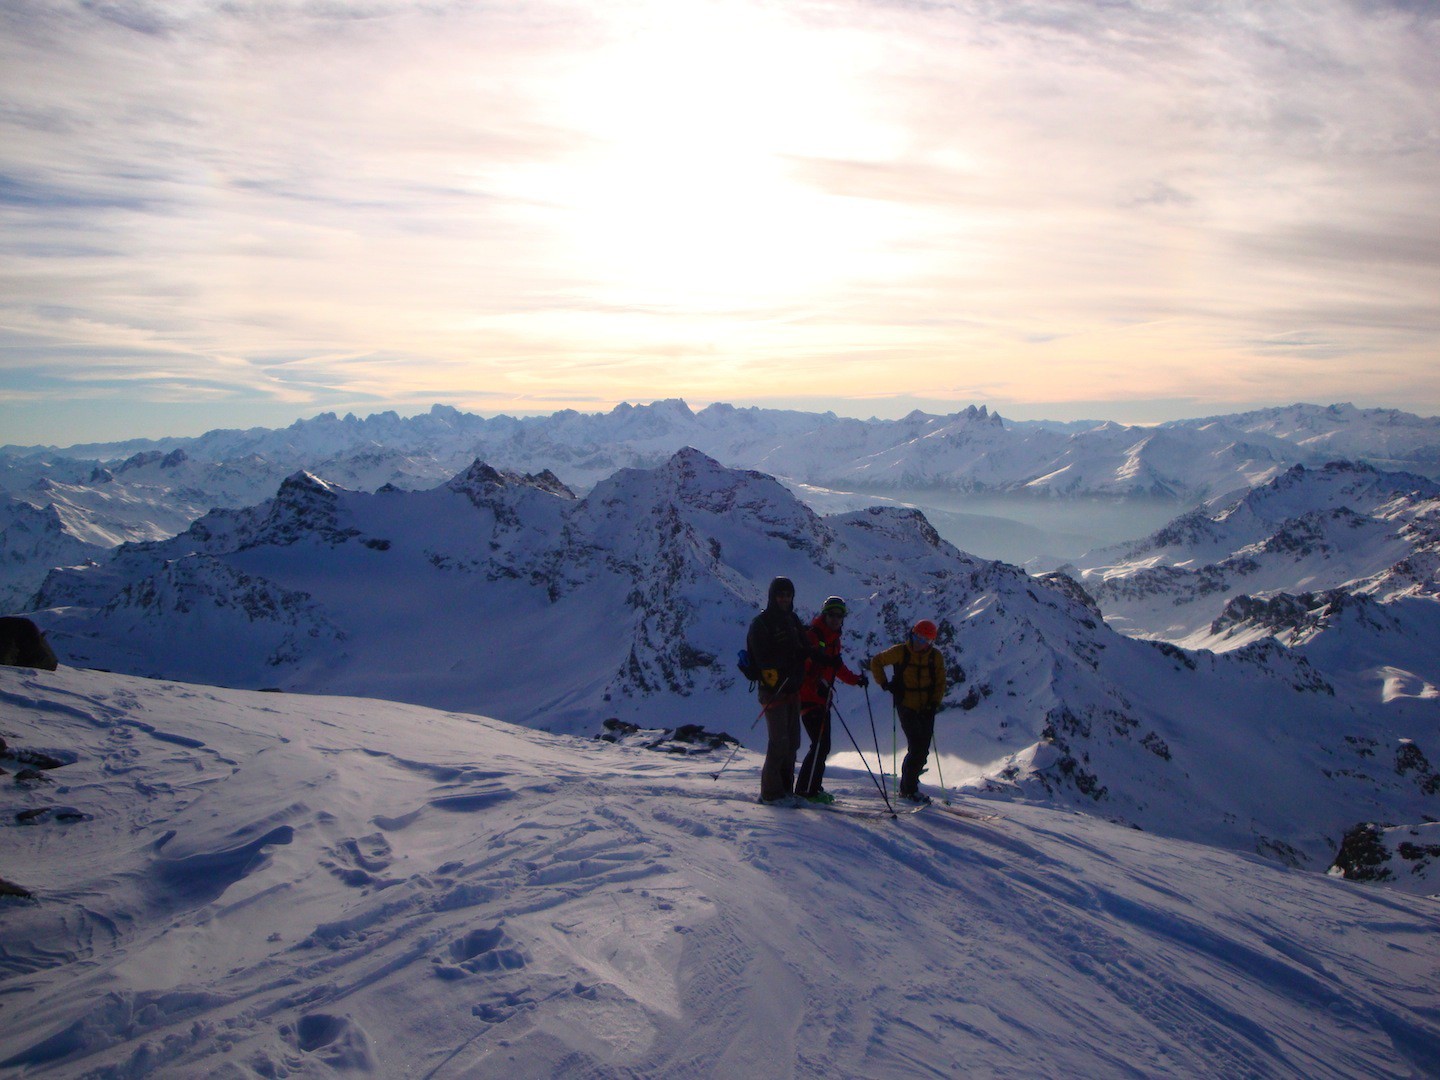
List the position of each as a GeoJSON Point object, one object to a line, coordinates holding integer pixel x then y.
{"type": "Point", "coordinates": [566, 200]}
{"type": "Point", "coordinates": [1405, 241]}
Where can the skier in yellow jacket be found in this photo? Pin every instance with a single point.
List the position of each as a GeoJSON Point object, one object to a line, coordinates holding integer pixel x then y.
{"type": "Point", "coordinates": [917, 680]}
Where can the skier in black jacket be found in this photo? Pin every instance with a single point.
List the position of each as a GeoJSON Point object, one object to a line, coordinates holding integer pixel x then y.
{"type": "Point", "coordinates": [778, 648]}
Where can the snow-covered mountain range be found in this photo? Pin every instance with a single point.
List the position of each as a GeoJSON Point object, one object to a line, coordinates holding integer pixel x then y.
{"type": "Point", "coordinates": [1215, 575]}
{"type": "Point", "coordinates": [1342, 564]}
{"type": "Point", "coordinates": [222, 883]}
{"type": "Point", "coordinates": [507, 595]}
{"type": "Point", "coordinates": [148, 489]}
{"type": "Point", "coordinates": [969, 450]}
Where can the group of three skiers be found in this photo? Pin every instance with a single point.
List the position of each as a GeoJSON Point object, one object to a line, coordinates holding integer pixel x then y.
{"type": "Point", "coordinates": [798, 666]}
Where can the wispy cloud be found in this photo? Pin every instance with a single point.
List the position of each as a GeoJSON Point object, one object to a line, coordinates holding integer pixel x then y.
{"type": "Point", "coordinates": [720, 199]}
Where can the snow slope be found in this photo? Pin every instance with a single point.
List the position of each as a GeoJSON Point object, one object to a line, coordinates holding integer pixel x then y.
{"type": "Point", "coordinates": [32, 539]}
{"type": "Point", "coordinates": [235, 884]}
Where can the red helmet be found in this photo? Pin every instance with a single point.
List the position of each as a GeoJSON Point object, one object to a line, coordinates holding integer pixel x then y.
{"type": "Point", "coordinates": [925, 629]}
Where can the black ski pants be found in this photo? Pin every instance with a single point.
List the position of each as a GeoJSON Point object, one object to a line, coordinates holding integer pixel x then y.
{"type": "Point", "coordinates": [782, 722]}
{"type": "Point", "coordinates": [812, 770]}
{"type": "Point", "coordinates": [919, 728]}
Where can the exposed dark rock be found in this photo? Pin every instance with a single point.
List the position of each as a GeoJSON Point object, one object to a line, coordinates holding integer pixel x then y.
{"type": "Point", "coordinates": [23, 645]}
{"type": "Point", "coordinates": [1362, 855]}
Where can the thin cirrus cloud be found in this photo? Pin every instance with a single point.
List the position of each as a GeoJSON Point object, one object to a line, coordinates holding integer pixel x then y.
{"type": "Point", "coordinates": [529, 205]}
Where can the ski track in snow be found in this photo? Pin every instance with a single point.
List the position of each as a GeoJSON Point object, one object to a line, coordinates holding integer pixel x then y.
{"type": "Point", "coordinates": [278, 885]}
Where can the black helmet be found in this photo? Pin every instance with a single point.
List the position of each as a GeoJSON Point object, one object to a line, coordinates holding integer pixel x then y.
{"type": "Point", "coordinates": [835, 605]}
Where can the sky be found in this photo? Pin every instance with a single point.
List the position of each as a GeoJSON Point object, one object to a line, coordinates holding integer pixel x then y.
{"type": "Point", "coordinates": [239, 213]}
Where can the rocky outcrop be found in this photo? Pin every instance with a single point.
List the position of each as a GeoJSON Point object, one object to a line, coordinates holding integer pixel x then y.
{"type": "Point", "coordinates": [23, 645]}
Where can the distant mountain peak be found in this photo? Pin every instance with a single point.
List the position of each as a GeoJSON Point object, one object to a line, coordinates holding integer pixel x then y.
{"type": "Point", "coordinates": [304, 481]}
{"type": "Point", "coordinates": [691, 463]}
{"type": "Point", "coordinates": [662, 407]}
{"type": "Point", "coordinates": [481, 476]}
{"type": "Point", "coordinates": [304, 506]}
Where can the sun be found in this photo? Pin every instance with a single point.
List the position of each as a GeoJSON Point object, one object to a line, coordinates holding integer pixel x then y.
{"type": "Point", "coordinates": [687, 191]}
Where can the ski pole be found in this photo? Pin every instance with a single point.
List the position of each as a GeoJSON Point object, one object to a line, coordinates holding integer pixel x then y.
{"type": "Point", "coordinates": [894, 741]}
{"type": "Point", "coordinates": [935, 748]}
{"type": "Point", "coordinates": [879, 761]}
{"type": "Point", "coordinates": [878, 786]}
{"type": "Point", "coordinates": [763, 710]}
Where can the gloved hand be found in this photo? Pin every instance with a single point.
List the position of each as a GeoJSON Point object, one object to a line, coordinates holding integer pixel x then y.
{"type": "Point", "coordinates": [769, 678]}
{"type": "Point", "coordinates": [864, 680]}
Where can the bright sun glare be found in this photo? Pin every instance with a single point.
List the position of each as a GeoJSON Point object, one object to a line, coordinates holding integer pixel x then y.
{"type": "Point", "coordinates": [688, 196]}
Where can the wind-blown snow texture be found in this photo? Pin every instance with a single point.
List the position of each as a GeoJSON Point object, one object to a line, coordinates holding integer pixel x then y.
{"type": "Point", "coordinates": [237, 885]}
{"type": "Point", "coordinates": [506, 595]}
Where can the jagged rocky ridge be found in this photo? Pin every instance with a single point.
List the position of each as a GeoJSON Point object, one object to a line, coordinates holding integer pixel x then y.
{"type": "Point", "coordinates": [506, 594]}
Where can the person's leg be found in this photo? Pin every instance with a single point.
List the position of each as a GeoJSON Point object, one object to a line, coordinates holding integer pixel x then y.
{"type": "Point", "coordinates": [919, 728]}
{"type": "Point", "coordinates": [791, 713]}
{"type": "Point", "coordinates": [782, 723]}
{"type": "Point", "coordinates": [822, 751]}
{"type": "Point", "coordinates": [813, 767]}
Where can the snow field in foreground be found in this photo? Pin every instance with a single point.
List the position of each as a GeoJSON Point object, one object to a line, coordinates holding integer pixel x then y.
{"type": "Point", "coordinates": [252, 884]}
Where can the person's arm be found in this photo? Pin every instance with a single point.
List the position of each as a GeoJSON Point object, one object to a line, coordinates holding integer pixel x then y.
{"type": "Point", "coordinates": [813, 646]}
{"type": "Point", "coordinates": [755, 643]}
{"type": "Point", "coordinates": [760, 644]}
{"type": "Point", "coordinates": [877, 666]}
{"type": "Point", "coordinates": [815, 652]}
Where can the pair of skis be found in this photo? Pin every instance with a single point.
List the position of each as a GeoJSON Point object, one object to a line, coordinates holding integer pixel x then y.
{"type": "Point", "coordinates": [844, 806]}
{"type": "Point", "coordinates": [858, 809]}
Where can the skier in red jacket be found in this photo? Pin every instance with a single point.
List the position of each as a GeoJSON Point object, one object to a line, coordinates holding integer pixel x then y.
{"type": "Point", "coordinates": [815, 690]}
